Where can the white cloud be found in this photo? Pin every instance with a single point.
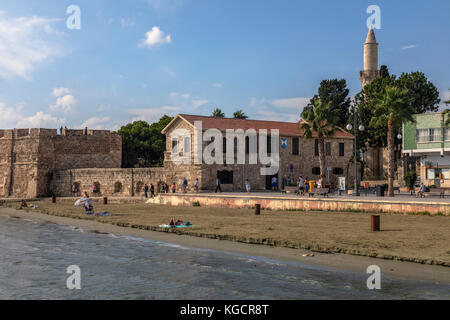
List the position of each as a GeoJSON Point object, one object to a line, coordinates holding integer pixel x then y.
{"type": "Point", "coordinates": [292, 103]}
{"type": "Point", "coordinates": [198, 103]}
{"type": "Point", "coordinates": [408, 47]}
{"type": "Point", "coordinates": [64, 104]}
{"type": "Point", "coordinates": [25, 42]}
{"type": "Point", "coordinates": [155, 37]}
{"type": "Point", "coordinates": [217, 85]}
{"type": "Point", "coordinates": [126, 23]}
{"type": "Point", "coordinates": [255, 101]}
{"type": "Point", "coordinates": [96, 123]}
{"type": "Point", "coordinates": [277, 116]}
{"type": "Point", "coordinates": [58, 92]}
{"type": "Point", "coordinates": [152, 114]}
{"type": "Point", "coordinates": [278, 109]}
{"type": "Point", "coordinates": [14, 118]}
{"type": "Point", "coordinates": [185, 101]}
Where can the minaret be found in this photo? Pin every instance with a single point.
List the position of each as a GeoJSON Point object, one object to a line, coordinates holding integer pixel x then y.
{"type": "Point", "coordinates": [370, 71]}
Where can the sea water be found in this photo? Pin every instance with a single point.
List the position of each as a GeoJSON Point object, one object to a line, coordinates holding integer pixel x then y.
{"type": "Point", "coordinates": [34, 257]}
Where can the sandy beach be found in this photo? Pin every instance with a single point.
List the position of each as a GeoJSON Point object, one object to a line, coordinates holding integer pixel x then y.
{"type": "Point", "coordinates": [127, 223]}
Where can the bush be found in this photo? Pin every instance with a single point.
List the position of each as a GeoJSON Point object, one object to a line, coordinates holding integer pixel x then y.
{"type": "Point", "coordinates": [410, 179]}
{"type": "Point", "coordinates": [196, 204]}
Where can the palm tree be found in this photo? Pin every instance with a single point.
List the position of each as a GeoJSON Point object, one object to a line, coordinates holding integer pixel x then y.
{"type": "Point", "coordinates": [392, 107]}
{"type": "Point", "coordinates": [239, 114]}
{"type": "Point", "coordinates": [217, 113]}
{"type": "Point", "coordinates": [447, 112]}
{"type": "Point", "coordinates": [319, 119]}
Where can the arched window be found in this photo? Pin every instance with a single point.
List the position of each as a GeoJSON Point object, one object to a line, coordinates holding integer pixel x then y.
{"type": "Point", "coordinates": [97, 187]}
{"type": "Point", "coordinates": [75, 188]}
{"type": "Point", "coordinates": [139, 187]}
{"type": "Point", "coordinates": [117, 187]}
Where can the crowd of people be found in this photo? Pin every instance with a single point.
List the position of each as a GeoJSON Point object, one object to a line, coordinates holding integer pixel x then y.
{"type": "Point", "coordinates": [303, 184]}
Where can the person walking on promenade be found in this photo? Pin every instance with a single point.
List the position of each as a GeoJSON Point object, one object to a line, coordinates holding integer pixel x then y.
{"type": "Point", "coordinates": [152, 191]}
{"type": "Point", "coordinates": [185, 182]}
{"type": "Point", "coordinates": [248, 187]}
{"type": "Point", "coordinates": [146, 190]}
{"type": "Point", "coordinates": [196, 185]}
{"type": "Point", "coordinates": [306, 186]}
{"type": "Point", "coordinates": [301, 186]}
{"type": "Point", "coordinates": [274, 184]}
{"type": "Point", "coordinates": [218, 187]}
{"type": "Point", "coordinates": [94, 189]}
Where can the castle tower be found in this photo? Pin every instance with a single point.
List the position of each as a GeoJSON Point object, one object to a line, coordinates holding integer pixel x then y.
{"type": "Point", "coordinates": [370, 71]}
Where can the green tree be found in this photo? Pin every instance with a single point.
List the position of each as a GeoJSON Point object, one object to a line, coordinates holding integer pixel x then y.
{"type": "Point", "coordinates": [423, 96]}
{"type": "Point", "coordinates": [336, 92]}
{"type": "Point", "coordinates": [392, 108]}
{"type": "Point", "coordinates": [143, 145]}
{"type": "Point", "coordinates": [319, 120]}
{"type": "Point", "coordinates": [384, 71]}
{"type": "Point", "coordinates": [217, 113]}
{"type": "Point", "coordinates": [239, 114]}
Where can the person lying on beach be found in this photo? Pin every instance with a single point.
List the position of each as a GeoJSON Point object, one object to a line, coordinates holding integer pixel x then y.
{"type": "Point", "coordinates": [23, 204]}
{"type": "Point", "coordinates": [179, 223]}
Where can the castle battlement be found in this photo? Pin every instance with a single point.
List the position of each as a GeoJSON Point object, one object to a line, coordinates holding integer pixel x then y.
{"type": "Point", "coordinates": [48, 133]}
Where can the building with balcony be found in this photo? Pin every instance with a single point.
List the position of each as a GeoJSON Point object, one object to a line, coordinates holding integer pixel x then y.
{"type": "Point", "coordinates": [429, 139]}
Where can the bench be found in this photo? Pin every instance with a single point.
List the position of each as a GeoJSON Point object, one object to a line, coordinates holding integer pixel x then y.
{"type": "Point", "coordinates": [320, 192]}
{"type": "Point", "coordinates": [435, 192]}
{"type": "Point", "coordinates": [290, 189]}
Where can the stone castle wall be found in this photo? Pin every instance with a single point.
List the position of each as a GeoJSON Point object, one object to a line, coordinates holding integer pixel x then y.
{"type": "Point", "coordinates": [29, 156]}
{"type": "Point", "coordinates": [118, 182]}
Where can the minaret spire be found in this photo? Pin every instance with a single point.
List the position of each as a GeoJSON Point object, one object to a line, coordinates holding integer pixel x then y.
{"type": "Point", "coordinates": [370, 71]}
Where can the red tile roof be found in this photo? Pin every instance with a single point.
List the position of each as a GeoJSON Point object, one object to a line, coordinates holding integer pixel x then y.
{"type": "Point", "coordinates": [285, 128]}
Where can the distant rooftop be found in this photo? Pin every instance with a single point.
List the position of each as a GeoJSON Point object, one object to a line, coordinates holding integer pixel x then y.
{"type": "Point", "coordinates": [285, 128]}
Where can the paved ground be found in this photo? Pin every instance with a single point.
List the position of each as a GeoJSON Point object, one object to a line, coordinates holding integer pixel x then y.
{"type": "Point", "coordinates": [398, 197]}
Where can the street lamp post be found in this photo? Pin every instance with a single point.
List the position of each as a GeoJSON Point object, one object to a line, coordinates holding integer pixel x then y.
{"type": "Point", "coordinates": [360, 128]}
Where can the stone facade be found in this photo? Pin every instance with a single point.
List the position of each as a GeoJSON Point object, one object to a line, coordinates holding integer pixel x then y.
{"type": "Point", "coordinates": [291, 165]}
{"type": "Point", "coordinates": [28, 157]}
{"type": "Point", "coordinates": [41, 162]}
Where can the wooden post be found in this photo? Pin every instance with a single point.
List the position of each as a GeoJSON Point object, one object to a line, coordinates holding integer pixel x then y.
{"type": "Point", "coordinates": [105, 200]}
{"type": "Point", "coordinates": [375, 222]}
{"type": "Point", "coordinates": [257, 209]}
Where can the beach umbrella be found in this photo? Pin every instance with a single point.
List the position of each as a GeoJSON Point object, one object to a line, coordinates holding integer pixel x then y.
{"type": "Point", "coordinates": [80, 202]}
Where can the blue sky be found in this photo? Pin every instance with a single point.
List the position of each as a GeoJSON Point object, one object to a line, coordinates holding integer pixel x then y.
{"type": "Point", "coordinates": [140, 59]}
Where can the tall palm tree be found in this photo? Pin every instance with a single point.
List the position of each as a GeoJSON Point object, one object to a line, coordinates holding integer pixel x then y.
{"type": "Point", "coordinates": [239, 114]}
{"type": "Point", "coordinates": [391, 107]}
{"type": "Point", "coordinates": [447, 112]}
{"type": "Point", "coordinates": [217, 113]}
{"type": "Point", "coordinates": [319, 119]}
